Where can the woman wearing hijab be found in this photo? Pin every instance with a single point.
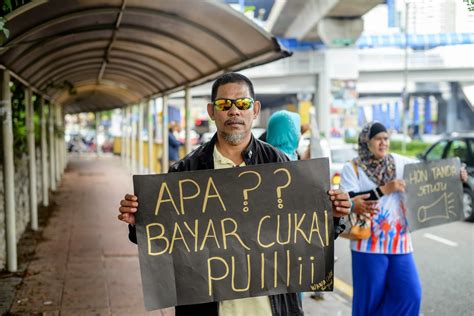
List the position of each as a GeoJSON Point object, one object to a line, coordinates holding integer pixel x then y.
{"type": "Point", "coordinates": [385, 278]}
{"type": "Point", "coordinates": [284, 131]}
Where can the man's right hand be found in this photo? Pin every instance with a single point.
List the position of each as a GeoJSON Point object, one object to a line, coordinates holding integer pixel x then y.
{"type": "Point", "coordinates": [128, 208]}
{"type": "Point", "coordinates": [363, 206]}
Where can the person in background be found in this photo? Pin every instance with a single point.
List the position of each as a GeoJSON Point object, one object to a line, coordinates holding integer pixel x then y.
{"type": "Point", "coordinates": [306, 131]}
{"type": "Point", "coordinates": [283, 132]}
{"type": "Point", "coordinates": [174, 144]}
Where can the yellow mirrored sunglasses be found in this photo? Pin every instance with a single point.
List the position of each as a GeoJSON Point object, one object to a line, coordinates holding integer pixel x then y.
{"type": "Point", "coordinates": [225, 104]}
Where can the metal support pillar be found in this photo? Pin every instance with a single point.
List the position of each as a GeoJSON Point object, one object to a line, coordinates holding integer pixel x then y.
{"type": "Point", "coordinates": [57, 146]}
{"type": "Point", "coordinates": [129, 138]}
{"type": "Point", "coordinates": [52, 150]}
{"type": "Point", "coordinates": [44, 153]}
{"type": "Point", "coordinates": [8, 170]}
{"type": "Point", "coordinates": [123, 151]}
{"type": "Point", "coordinates": [97, 130]}
{"type": "Point", "coordinates": [187, 119]}
{"type": "Point", "coordinates": [151, 133]}
{"type": "Point", "coordinates": [134, 141]}
{"type": "Point", "coordinates": [140, 138]}
{"type": "Point", "coordinates": [63, 142]}
{"type": "Point", "coordinates": [164, 126]}
{"type": "Point", "coordinates": [30, 128]}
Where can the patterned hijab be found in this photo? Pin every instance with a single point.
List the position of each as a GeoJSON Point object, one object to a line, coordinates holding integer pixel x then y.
{"type": "Point", "coordinates": [379, 171]}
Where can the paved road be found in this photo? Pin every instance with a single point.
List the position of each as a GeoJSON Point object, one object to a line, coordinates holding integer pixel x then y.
{"type": "Point", "coordinates": [445, 260]}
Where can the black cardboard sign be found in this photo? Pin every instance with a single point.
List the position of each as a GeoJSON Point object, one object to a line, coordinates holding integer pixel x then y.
{"type": "Point", "coordinates": [232, 233]}
{"type": "Point", "coordinates": [433, 193]}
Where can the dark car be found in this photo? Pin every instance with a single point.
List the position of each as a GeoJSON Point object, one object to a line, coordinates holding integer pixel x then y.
{"type": "Point", "coordinates": [457, 145]}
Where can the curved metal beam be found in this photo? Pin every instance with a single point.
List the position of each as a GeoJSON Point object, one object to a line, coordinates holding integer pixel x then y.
{"type": "Point", "coordinates": [125, 97]}
{"type": "Point", "coordinates": [60, 97]}
{"type": "Point", "coordinates": [132, 63]}
{"type": "Point", "coordinates": [56, 53]}
{"type": "Point", "coordinates": [87, 61]}
{"type": "Point", "coordinates": [132, 72]}
{"type": "Point", "coordinates": [120, 77]}
{"type": "Point", "coordinates": [64, 67]}
{"type": "Point", "coordinates": [41, 61]}
{"type": "Point", "coordinates": [71, 58]}
{"type": "Point", "coordinates": [141, 78]}
{"type": "Point", "coordinates": [106, 87]}
{"type": "Point", "coordinates": [94, 99]}
{"type": "Point", "coordinates": [81, 107]}
{"type": "Point", "coordinates": [61, 65]}
{"type": "Point", "coordinates": [28, 52]}
{"type": "Point", "coordinates": [130, 80]}
{"type": "Point", "coordinates": [127, 72]}
{"type": "Point", "coordinates": [120, 53]}
{"type": "Point", "coordinates": [164, 61]}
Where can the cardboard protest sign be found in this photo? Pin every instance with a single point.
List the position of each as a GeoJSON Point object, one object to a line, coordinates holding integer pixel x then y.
{"type": "Point", "coordinates": [433, 193]}
{"type": "Point", "coordinates": [231, 233]}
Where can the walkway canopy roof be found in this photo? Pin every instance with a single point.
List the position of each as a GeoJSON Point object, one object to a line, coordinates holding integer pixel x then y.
{"type": "Point", "coordinates": [92, 55]}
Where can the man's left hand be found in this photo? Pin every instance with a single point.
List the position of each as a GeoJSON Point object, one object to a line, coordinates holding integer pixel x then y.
{"type": "Point", "coordinates": [341, 203]}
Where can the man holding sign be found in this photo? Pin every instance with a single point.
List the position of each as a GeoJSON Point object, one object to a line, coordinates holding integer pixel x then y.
{"type": "Point", "coordinates": [233, 109]}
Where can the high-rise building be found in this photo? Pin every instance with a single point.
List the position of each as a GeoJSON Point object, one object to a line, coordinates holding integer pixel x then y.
{"type": "Point", "coordinates": [432, 16]}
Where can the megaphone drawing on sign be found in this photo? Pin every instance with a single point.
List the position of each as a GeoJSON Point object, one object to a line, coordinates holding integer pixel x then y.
{"type": "Point", "coordinates": [439, 209]}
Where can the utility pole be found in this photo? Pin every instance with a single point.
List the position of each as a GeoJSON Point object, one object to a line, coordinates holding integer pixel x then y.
{"type": "Point", "coordinates": [405, 95]}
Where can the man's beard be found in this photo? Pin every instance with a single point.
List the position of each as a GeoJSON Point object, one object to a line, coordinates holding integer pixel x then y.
{"type": "Point", "coordinates": [233, 139]}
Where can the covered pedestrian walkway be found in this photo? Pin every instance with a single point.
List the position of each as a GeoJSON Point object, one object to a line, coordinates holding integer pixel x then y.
{"type": "Point", "coordinates": [85, 264]}
{"type": "Point", "coordinates": [72, 56]}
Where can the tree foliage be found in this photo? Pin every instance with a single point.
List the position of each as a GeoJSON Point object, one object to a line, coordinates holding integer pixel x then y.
{"type": "Point", "coordinates": [7, 7]}
{"type": "Point", "coordinates": [11, 5]}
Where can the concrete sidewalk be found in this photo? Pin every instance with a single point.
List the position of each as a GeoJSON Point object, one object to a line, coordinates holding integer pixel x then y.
{"type": "Point", "coordinates": [85, 264]}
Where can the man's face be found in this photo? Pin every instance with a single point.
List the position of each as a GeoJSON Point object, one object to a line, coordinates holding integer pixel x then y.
{"type": "Point", "coordinates": [234, 125]}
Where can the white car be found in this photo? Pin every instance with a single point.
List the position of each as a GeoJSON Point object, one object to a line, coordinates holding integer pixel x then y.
{"type": "Point", "coordinates": [339, 156]}
{"type": "Point", "coordinates": [336, 150]}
